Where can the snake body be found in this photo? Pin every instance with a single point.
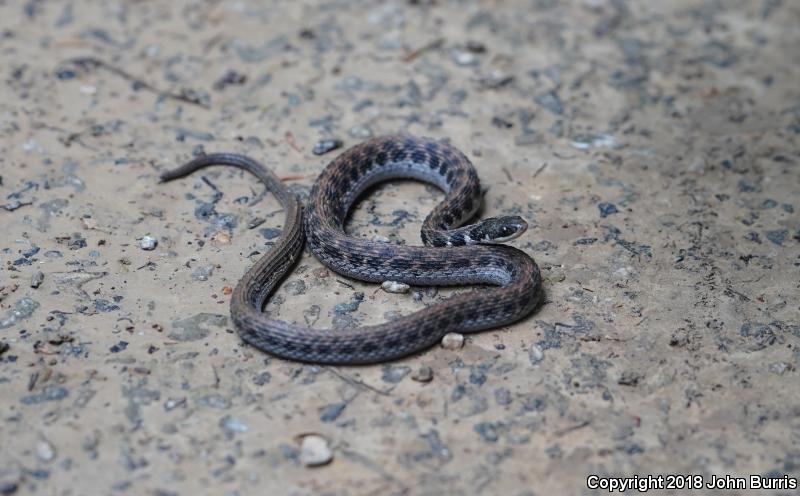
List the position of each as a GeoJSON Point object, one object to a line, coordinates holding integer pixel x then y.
{"type": "Point", "coordinates": [452, 255]}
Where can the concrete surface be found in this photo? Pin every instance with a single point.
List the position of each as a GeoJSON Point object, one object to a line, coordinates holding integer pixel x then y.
{"type": "Point", "coordinates": [654, 149]}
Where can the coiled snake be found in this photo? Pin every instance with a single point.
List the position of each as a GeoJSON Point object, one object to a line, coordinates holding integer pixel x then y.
{"type": "Point", "coordinates": [453, 255]}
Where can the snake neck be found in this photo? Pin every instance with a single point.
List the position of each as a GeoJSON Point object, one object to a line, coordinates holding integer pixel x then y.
{"type": "Point", "coordinates": [464, 236]}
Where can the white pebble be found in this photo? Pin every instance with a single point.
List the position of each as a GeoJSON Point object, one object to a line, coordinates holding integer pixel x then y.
{"type": "Point", "coordinates": [234, 425]}
{"type": "Point", "coordinates": [423, 374]}
{"type": "Point", "coordinates": [395, 287]}
{"type": "Point", "coordinates": [380, 239]}
{"type": "Point", "coordinates": [536, 354]}
{"type": "Point", "coordinates": [463, 58]}
{"type": "Point", "coordinates": [452, 341]}
{"type": "Point", "coordinates": [148, 243]}
{"type": "Point", "coordinates": [45, 451]}
{"type": "Point", "coordinates": [31, 145]}
{"type": "Point", "coordinates": [152, 51]}
{"type": "Point", "coordinates": [779, 368]}
{"type": "Point", "coordinates": [203, 273]}
{"type": "Point", "coordinates": [697, 164]}
{"type": "Point", "coordinates": [360, 132]}
{"type": "Point", "coordinates": [315, 451]}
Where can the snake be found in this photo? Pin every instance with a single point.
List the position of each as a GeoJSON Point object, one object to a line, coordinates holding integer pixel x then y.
{"type": "Point", "coordinates": [453, 253]}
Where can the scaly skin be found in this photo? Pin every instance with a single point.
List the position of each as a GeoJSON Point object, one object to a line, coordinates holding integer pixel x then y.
{"type": "Point", "coordinates": [451, 256]}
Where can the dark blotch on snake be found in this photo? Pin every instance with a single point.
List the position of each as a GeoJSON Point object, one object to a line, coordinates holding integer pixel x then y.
{"type": "Point", "coordinates": [460, 263]}
{"type": "Point", "coordinates": [418, 156]}
{"type": "Point", "coordinates": [468, 205]}
{"type": "Point", "coordinates": [354, 174]}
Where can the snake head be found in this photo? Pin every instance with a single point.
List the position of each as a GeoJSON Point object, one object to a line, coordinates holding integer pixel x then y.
{"type": "Point", "coordinates": [495, 230]}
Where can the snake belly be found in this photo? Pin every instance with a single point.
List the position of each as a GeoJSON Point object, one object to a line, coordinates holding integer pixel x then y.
{"type": "Point", "coordinates": [514, 275]}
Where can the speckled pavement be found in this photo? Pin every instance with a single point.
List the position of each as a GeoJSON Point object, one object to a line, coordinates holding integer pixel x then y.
{"type": "Point", "coordinates": [653, 149]}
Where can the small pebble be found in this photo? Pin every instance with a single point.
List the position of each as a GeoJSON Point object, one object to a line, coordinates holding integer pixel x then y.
{"type": "Point", "coordinates": [452, 341]}
{"type": "Point", "coordinates": [65, 74]}
{"type": "Point", "coordinates": [270, 232]}
{"type": "Point", "coordinates": [536, 354]}
{"type": "Point", "coordinates": [502, 396]}
{"type": "Point", "coordinates": [255, 222]}
{"type": "Point", "coordinates": [607, 209]}
{"type": "Point", "coordinates": [697, 164]}
{"type": "Point", "coordinates": [37, 279]}
{"type": "Point", "coordinates": [476, 46]}
{"type": "Point", "coordinates": [629, 378]}
{"type": "Point", "coordinates": [502, 123]}
{"type": "Point", "coordinates": [380, 239]}
{"type": "Point", "coordinates": [423, 374]}
{"type": "Point", "coordinates": [173, 403]}
{"type": "Point", "coordinates": [487, 431]}
{"type": "Point", "coordinates": [332, 412]}
{"type": "Point", "coordinates": [296, 287]}
{"type": "Point", "coordinates": [588, 140]}
{"type": "Point", "coordinates": [464, 58]}
{"type": "Point", "coordinates": [328, 145]}
{"type": "Point", "coordinates": [230, 78]}
{"type": "Point", "coordinates": [777, 236]}
{"type": "Point", "coordinates": [495, 79]}
{"type": "Point", "coordinates": [315, 451]}
{"type": "Point", "coordinates": [45, 451]}
{"type": "Point", "coordinates": [203, 273]}
{"type": "Point", "coordinates": [779, 368]}
{"type": "Point", "coordinates": [233, 424]}
{"type": "Point", "coordinates": [395, 287]}
{"type": "Point", "coordinates": [221, 238]}
{"type": "Point", "coordinates": [394, 373]}
{"type": "Point", "coordinates": [148, 243]}
{"type": "Point", "coordinates": [360, 132]}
